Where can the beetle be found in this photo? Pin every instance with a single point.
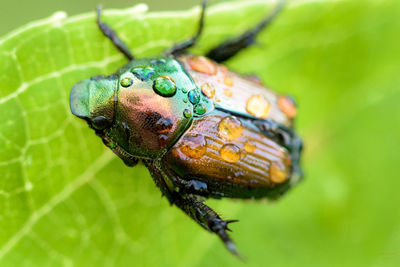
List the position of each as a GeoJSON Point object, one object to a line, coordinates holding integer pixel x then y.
{"type": "Point", "coordinates": [202, 131]}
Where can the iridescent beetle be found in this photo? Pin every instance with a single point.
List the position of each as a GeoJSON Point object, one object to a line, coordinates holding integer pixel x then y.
{"type": "Point", "coordinates": [201, 130]}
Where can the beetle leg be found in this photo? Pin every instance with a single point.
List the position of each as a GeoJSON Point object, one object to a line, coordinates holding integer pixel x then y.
{"type": "Point", "coordinates": [207, 218]}
{"type": "Point", "coordinates": [297, 147]}
{"type": "Point", "coordinates": [193, 206]}
{"type": "Point", "coordinates": [112, 35]}
{"type": "Point", "coordinates": [181, 48]}
{"type": "Point", "coordinates": [159, 179]}
{"type": "Point", "coordinates": [231, 47]}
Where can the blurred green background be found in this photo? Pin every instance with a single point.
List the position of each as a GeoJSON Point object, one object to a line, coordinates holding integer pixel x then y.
{"type": "Point", "coordinates": [19, 12]}
{"type": "Point", "coordinates": [66, 200]}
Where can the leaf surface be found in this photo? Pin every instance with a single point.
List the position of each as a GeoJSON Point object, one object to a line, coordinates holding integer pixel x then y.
{"type": "Point", "coordinates": [66, 200]}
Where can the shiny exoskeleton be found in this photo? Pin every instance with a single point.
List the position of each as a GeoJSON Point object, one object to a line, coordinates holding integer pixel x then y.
{"type": "Point", "coordinates": [202, 130]}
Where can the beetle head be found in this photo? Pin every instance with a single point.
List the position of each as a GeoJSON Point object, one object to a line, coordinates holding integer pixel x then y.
{"type": "Point", "coordinates": [94, 100]}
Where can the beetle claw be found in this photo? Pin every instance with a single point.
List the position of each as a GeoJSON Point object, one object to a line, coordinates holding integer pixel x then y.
{"type": "Point", "coordinates": [220, 227]}
{"type": "Point", "coordinates": [228, 222]}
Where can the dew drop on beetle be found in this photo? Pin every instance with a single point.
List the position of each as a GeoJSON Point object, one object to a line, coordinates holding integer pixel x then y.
{"type": "Point", "coordinates": [208, 90]}
{"type": "Point", "coordinates": [165, 86]}
{"type": "Point", "coordinates": [258, 106]}
{"type": "Point", "coordinates": [158, 61]}
{"type": "Point", "coordinates": [202, 64]}
{"type": "Point", "coordinates": [228, 80]}
{"type": "Point", "coordinates": [194, 96]}
{"type": "Point", "coordinates": [277, 173]}
{"type": "Point", "coordinates": [126, 82]}
{"type": "Point", "coordinates": [187, 113]}
{"type": "Point", "coordinates": [230, 128]}
{"type": "Point", "coordinates": [143, 72]}
{"type": "Point", "coordinates": [230, 153]}
{"type": "Point", "coordinates": [193, 146]}
{"type": "Point", "coordinates": [228, 92]}
{"type": "Point", "coordinates": [200, 109]}
{"type": "Point", "coordinates": [287, 106]}
{"type": "Point", "coordinates": [250, 146]}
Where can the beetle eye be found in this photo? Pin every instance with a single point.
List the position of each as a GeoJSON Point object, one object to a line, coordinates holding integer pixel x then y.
{"type": "Point", "coordinates": [101, 122]}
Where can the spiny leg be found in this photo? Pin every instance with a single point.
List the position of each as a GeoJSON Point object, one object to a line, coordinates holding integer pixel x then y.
{"type": "Point", "coordinates": [297, 147]}
{"type": "Point", "coordinates": [231, 47]}
{"type": "Point", "coordinates": [181, 48]}
{"type": "Point", "coordinates": [112, 35]}
{"type": "Point", "coordinates": [193, 207]}
{"type": "Point", "coordinates": [207, 218]}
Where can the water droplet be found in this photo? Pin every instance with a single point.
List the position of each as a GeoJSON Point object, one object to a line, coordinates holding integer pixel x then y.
{"type": "Point", "coordinates": [277, 172]}
{"type": "Point", "coordinates": [202, 64]}
{"type": "Point", "coordinates": [228, 80]}
{"type": "Point", "coordinates": [187, 113]}
{"type": "Point", "coordinates": [193, 146]}
{"type": "Point", "coordinates": [230, 153]}
{"type": "Point", "coordinates": [226, 76]}
{"type": "Point", "coordinates": [158, 61]}
{"type": "Point", "coordinates": [258, 106]}
{"type": "Point", "coordinates": [200, 109]}
{"type": "Point", "coordinates": [184, 90]}
{"type": "Point", "coordinates": [194, 96]}
{"type": "Point", "coordinates": [208, 90]}
{"type": "Point", "coordinates": [250, 146]}
{"type": "Point", "coordinates": [230, 128]}
{"type": "Point", "coordinates": [164, 86]}
{"type": "Point", "coordinates": [228, 92]}
{"type": "Point", "coordinates": [288, 106]}
{"type": "Point", "coordinates": [185, 100]}
{"type": "Point", "coordinates": [143, 72]}
{"type": "Point", "coordinates": [126, 82]}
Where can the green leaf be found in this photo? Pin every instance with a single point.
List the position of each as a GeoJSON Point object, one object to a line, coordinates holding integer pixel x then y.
{"type": "Point", "coordinates": [66, 200]}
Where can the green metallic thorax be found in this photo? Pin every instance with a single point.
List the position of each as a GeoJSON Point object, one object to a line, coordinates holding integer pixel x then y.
{"type": "Point", "coordinates": [156, 101]}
